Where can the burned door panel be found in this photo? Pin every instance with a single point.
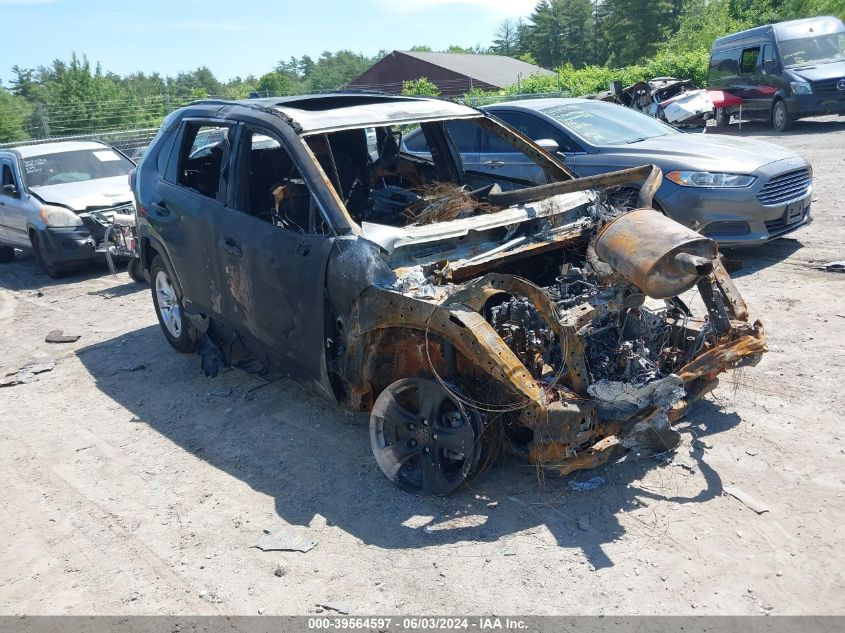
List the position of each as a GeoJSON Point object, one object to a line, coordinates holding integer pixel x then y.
{"type": "Point", "coordinates": [273, 252]}
{"type": "Point", "coordinates": [272, 289]}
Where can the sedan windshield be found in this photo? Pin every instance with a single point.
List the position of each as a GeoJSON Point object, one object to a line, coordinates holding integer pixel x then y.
{"type": "Point", "coordinates": [602, 123]}
{"type": "Point", "coordinates": [813, 50]}
{"type": "Point", "coordinates": [76, 166]}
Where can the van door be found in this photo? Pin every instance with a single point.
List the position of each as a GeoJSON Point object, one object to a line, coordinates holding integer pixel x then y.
{"type": "Point", "coordinates": [769, 75]}
{"type": "Point", "coordinates": [749, 81]}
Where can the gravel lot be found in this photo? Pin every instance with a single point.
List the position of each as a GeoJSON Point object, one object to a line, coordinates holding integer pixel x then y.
{"type": "Point", "coordinates": [132, 484]}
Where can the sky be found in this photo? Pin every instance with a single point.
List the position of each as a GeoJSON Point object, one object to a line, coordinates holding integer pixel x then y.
{"type": "Point", "coordinates": [235, 37]}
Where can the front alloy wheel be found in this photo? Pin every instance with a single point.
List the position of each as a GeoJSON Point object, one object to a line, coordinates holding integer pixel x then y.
{"type": "Point", "coordinates": [424, 439]}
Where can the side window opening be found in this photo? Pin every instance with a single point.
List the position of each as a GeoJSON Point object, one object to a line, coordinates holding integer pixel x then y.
{"type": "Point", "coordinates": [536, 129]}
{"type": "Point", "coordinates": [201, 158]}
{"type": "Point", "coordinates": [769, 63]}
{"type": "Point", "coordinates": [8, 176]}
{"type": "Point", "coordinates": [748, 60]}
{"type": "Point", "coordinates": [276, 192]}
{"type": "Point", "coordinates": [723, 64]}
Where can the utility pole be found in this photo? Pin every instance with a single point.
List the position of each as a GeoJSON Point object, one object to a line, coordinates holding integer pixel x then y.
{"type": "Point", "coordinates": [596, 33]}
{"type": "Point", "coordinates": [43, 118]}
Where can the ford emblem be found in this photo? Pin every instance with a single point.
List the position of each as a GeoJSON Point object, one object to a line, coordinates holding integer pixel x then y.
{"type": "Point", "coordinates": [840, 85]}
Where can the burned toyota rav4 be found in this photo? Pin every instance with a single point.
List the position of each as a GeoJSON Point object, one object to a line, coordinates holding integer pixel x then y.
{"type": "Point", "coordinates": [470, 313]}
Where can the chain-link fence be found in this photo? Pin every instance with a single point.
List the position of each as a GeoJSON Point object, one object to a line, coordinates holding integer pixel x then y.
{"type": "Point", "coordinates": [130, 142]}
{"type": "Point", "coordinates": [129, 127]}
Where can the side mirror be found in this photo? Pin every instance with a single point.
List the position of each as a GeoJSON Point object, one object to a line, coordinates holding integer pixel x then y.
{"type": "Point", "coordinates": [10, 190]}
{"type": "Point", "coordinates": [550, 145]}
{"type": "Point", "coordinates": [770, 67]}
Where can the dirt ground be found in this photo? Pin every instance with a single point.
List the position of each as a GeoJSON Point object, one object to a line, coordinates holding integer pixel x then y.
{"type": "Point", "coordinates": [132, 484]}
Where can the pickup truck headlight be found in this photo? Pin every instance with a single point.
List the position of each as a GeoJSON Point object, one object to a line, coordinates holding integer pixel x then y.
{"type": "Point", "coordinates": [801, 88]}
{"type": "Point", "coordinates": [59, 217]}
{"type": "Point", "coordinates": [709, 179]}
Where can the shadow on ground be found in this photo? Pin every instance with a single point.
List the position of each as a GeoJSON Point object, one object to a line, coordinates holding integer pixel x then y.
{"type": "Point", "coordinates": [24, 274]}
{"type": "Point", "coordinates": [314, 459]}
{"type": "Point", "coordinates": [799, 128]}
{"type": "Point", "coordinates": [756, 258]}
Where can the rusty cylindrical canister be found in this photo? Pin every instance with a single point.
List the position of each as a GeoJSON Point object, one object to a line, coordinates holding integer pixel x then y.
{"type": "Point", "coordinates": [658, 255]}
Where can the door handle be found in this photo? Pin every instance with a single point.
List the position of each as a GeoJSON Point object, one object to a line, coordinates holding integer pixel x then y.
{"type": "Point", "coordinates": [230, 246]}
{"type": "Point", "coordinates": [494, 164]}
{"type": "Point", "coordinates": [161, 208]}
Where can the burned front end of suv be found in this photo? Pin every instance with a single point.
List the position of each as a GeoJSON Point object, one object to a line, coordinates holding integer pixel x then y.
{"type": "Point", "coordinates": [472, 314]}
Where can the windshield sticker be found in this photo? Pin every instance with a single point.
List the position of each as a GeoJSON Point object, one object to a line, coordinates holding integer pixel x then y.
{"type": "Point", "coordinates": [577, 119]}
{"type": "Point", "coordinates": [106, 156]}
{"type": "Point", "coordinates": [35, 165]}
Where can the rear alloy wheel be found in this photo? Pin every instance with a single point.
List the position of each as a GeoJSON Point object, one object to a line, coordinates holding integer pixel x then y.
{"type": "Point", "coordinates": [44, 260]}
{"type": "Point", "coordinates": [7, 254]}
{"type": "Point", "coordinates": [178, 330]}
{"type": "Point", "coordinates": [781, 120]}
{"type": "Point", "coordinates": [424, 439]}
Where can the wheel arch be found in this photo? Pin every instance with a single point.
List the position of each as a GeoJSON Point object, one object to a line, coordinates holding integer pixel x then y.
{"type": "Point", "coordinates": [386, 322]}
{"type": "Point", "coordinates": [149, 249]}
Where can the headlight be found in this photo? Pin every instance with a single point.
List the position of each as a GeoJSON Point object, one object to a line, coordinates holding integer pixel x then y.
{"type": "Point", "coordinates": [801, 88]}
{"type": "Point", "coordinates": [709, 179]}
{"type": "Point", "coordinates": [59, 217]}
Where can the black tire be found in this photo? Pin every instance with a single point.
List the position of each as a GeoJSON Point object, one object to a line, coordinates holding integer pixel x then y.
{"type": "Point", "coordinates": [781, 120]}
{"type": "Point", "coordinates": [722, 118]}
{"type": "Point", "coordinates": [7, 254]}
{"type": "Point", "coordinates": [46, 262]}
{"type": "Point", "coordinates": [178, 330]}
{"type": "Point", "coordinates": [136, 270]}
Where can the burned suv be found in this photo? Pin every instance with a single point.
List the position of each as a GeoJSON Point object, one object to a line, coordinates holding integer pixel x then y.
{"type": "Point", "coordinates": [468, 312]}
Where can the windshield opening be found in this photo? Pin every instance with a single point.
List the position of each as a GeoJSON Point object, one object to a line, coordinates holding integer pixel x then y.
{"type": "Point", "coordinates": [415, 174]}
{"type": "Point", "coordinates": [821, 49]}
{"type": "Point", "coordinates": [76, 166]}
{"type": "Point", "coordinates": [607, 124]}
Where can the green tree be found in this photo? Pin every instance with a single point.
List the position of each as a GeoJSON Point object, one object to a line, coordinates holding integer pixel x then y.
{"type": "Point", "coordinates": [561, 31]}
{"type": "Point", "coordinates": [14, 111]}
{"type": "Point", "coordinates": [79, 99]}
{"type": "Point", "coordinates": [276, 84]}
{"type": "Point", "coordinates": [238, 88]}
{"type": "Point", "coordinates": [335, 70]}
{"type": "Point", "coordinates": [635, 29]}
{"type": "Point", "coordinates": [701, 22]}
{"type": "Point", "coordinates": [506, 40]}
{"type": "Point", "coordinates": [199, 81]}
{"type": "Point", "coordinates": [421, 87]}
